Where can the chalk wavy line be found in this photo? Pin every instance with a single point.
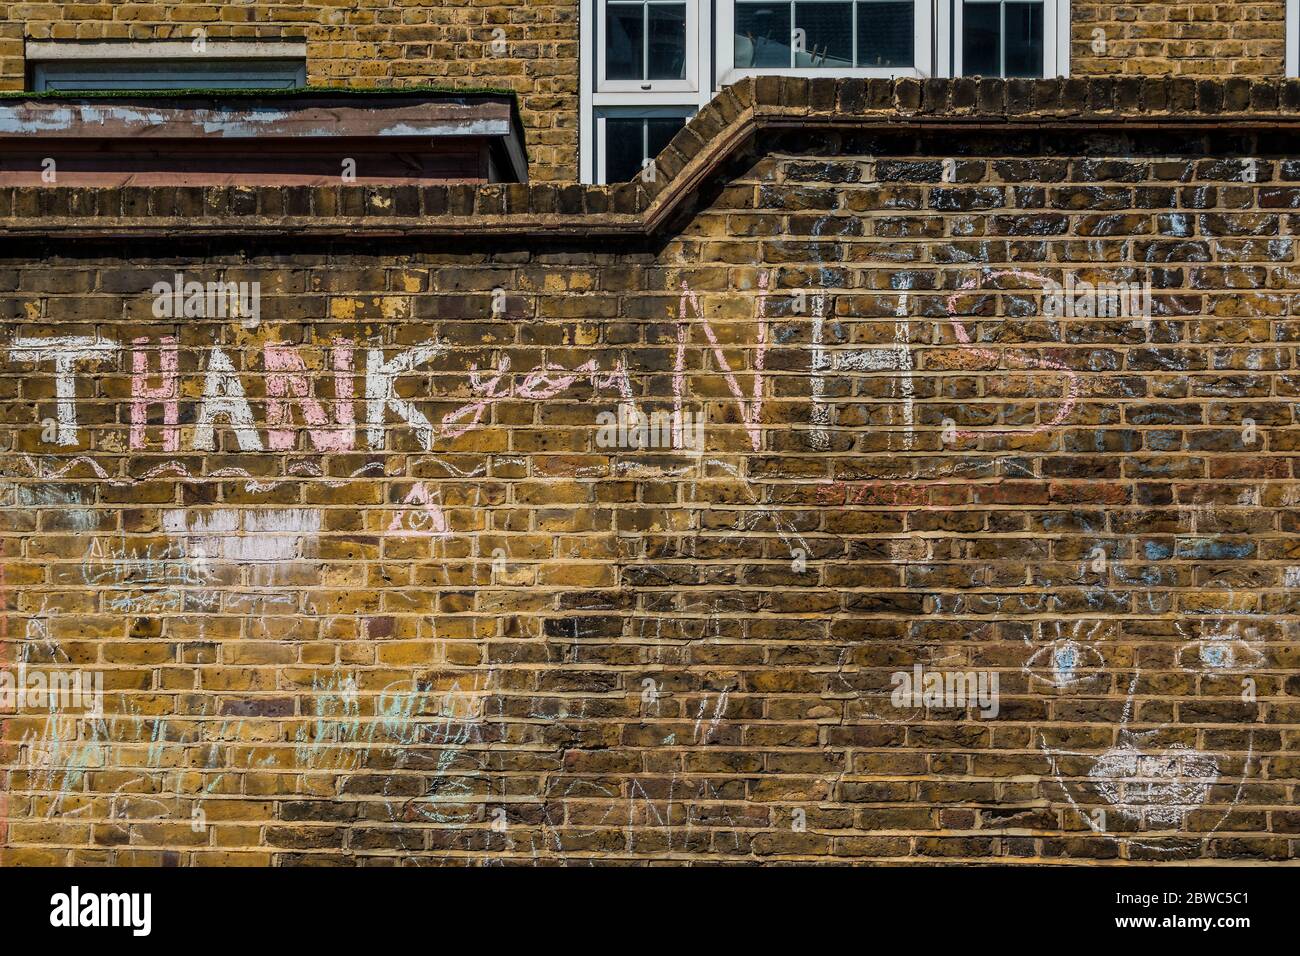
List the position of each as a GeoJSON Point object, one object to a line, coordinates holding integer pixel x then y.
{"type": "Point", "coordinates": [1072, 377]}
{"type": "Point", "coordinates": [171, 467]}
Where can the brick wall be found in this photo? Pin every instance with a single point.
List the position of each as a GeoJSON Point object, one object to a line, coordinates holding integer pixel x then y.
{"type": "Point", "coordinates": [406, 42]}
{"type": "Point", "coordinates": [384, 585]}
{"type": "Point", "coordinates": [1242, 38]}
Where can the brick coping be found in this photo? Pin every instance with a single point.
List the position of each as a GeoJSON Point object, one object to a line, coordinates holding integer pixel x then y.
{"type": "Point", "coordinates": [639, 209]}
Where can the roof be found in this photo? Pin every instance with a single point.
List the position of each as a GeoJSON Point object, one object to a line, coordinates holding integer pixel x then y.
{"type": "Point", "coordinates": [303, 116]}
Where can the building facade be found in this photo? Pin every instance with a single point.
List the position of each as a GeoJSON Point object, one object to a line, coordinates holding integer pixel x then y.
{"type": "Point", "coordinates": [899, 467]}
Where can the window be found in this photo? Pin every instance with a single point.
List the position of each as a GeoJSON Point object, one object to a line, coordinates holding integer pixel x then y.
{"type": "Point", "coordinates": [1293, 37]}
{"type": "Point", "coordinates": [642, 82]}
{"type": "Point", "coordinates": [824, 34]}
{"type": "Point", "coordinates": [216, 74]}
{"type": "Point", "coordinates": [823, 38]}
{"type": "Point", "coordinates": [166, 65]}
{"type": "Point", "coordinates": [1005, 38]}
{"type": "Point", "coordinates": [648, 62]}
{"type": "Point", "coordinates": [632, 138]}
{"type": "Point", "coordinates": [1001, 38]}
{"type": "Point", "coordinates": [647, 46]}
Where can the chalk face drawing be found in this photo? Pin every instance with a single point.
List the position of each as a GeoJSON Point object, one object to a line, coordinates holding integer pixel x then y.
{"type": "Point", "coordinates": [1151, 779]}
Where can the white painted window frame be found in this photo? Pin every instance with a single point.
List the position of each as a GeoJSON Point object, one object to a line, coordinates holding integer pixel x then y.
{"type": "Point", "coordinates": [714, 55]}
{"type": "Point", "coordinates": [690, 84]}
{"type": "Point", "coordinates": [598, 100]}
{"type": "Point", "coordinates": [726, 51]}
{"type": "Point", "coordinates": [637, 112]}
{"type": "Point", "coordinates": [1056, 39]}
{"type": "Point", "coordinates": [1293, 37]}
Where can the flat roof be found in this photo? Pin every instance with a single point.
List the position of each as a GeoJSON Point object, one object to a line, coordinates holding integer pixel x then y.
{"type": "Point", "coordinates": [245, 115]}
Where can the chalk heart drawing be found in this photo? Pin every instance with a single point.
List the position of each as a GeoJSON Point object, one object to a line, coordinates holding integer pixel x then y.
{"type": "Point", "coordinates": [1073, 384]}
{"type": "Point", "coordinates": [422, 517]}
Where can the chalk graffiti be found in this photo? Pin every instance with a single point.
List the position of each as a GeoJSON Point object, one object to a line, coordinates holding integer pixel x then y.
{"type": "Point", "coordinates": [1073, 385]}
{"type": "Point", "coordinates": [421, 516]}
{"type": "Point", "coordinates": [258, 536]}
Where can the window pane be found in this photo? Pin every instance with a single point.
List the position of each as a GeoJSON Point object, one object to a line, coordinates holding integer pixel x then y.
{"type": "Point", "coordinates": [886, 34]}
{"type": "Point", "coordinates": [1024, 39]}
{"type": "Point", "coordinates": [826, 39]}
{"type": "Point", "coordinates": [981, 50]}
{"type": "Point", "coordinates": [625, 41]}
{"type": "Point", "coordinates": [762, 34]}
{"type": "Point", "coordinates": [629, 141]}
{"type": "Point", "coordinates": [623, 153]}
{"type": "Point", "coordinates": [667, 41]}
{"type": "Point", "coordinates": [660, 131]}
{"type": "Point", "coordinates": [179, 74]}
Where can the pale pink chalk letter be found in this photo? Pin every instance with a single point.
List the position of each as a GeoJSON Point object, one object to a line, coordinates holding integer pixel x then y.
{"type": "Point", "coordinates": [142, 396]}
{"type": "Point", "coordinates": [287, 384]}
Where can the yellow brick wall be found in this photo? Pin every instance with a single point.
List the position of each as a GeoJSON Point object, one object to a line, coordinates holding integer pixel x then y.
{"type": "Point", "coordinates": [1237, 38]}
{"type": "Point", "coordinates": [514, 640]}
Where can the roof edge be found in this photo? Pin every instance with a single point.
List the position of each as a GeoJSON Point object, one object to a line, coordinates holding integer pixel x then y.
{"type": "Point", "coordinates": [636, 209]}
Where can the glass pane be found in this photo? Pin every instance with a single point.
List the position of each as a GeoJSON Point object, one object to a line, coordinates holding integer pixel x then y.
{"type": "Point", "coordinates": [625, 41]}
{"type": "Point", "coordinates": [1024, 39]}
{"type": "Point", "coordinates": [886, 34]}
{"type": "Point", "coordinates": [762, 35]}
{"type": "Point", "coordinates": [168, 75]}
{"type": "Point", "coordinates": [623, 153]}
{"type": "Point", "coordinates": [660, 131]}
{"type": "Point", "coordinates": [823, 35]}
{"type": "Point", "coordinates": [667, 41]}
{"type": "Point", "coordinates": [981, 51]}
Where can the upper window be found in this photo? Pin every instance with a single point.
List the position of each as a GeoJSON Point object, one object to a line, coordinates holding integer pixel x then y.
{"type": "Point", "coordinates": [1003, 38]}
{"type": "Point", "coordinates": [647, 45]}
{"type": "Point", "coordinates": [823, 37]}
{"type": "Point", "coordinates": [197, 64]}
{"type": "Point", "coordinates": [825, 34]}
{"type": "Point", "coordinates": [632, 138]}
